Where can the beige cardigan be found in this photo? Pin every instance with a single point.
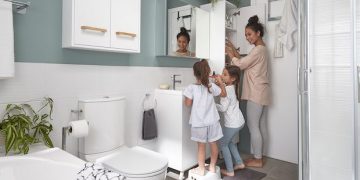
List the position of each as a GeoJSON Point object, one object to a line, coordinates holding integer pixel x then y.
{"type": "Point", "coordinates": [256, 86]}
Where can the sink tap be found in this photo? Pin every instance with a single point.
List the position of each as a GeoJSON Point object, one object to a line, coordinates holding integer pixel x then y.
{"type": "Point", "coordinates": [174, 80]}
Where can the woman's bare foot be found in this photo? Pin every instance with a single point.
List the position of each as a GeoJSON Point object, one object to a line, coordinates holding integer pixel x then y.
{"type": "Point", "coordinates": [212, 168]}
{"type": "Point", "coordinates": [199, 171]}
{"type": "Point", "coordinates": [254, 163]}
{"type": "Point", "coordinates": [239, 166]}
{"type": "Point", "coordinates": [224, 172]}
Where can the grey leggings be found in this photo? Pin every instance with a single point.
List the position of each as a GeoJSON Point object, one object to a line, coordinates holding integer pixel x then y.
{"type": "Point", "coordinates": [256, 121]}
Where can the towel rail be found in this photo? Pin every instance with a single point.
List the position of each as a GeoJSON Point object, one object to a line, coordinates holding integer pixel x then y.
{"type": "Point", "coordinates": [20, 6]}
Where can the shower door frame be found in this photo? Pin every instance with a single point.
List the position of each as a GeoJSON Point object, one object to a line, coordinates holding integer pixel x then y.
{"type": "Point", "coordinates": [303, 87]}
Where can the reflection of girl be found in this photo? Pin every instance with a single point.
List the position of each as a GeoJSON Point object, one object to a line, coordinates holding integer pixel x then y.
{"type": "Point", "coordinates": [256, 89]}
{"type": "Point", "coordinates": [183, 39]}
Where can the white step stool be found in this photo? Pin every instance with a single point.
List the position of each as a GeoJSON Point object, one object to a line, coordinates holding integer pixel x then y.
{"type": "Point", "coordinates": [208, 175]}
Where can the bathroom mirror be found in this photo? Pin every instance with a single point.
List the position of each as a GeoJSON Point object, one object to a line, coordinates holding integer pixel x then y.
{"type": "Point", "coordinates": [193, 41]}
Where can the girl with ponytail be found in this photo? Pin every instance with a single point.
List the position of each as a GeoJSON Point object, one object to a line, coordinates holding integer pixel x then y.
{"type": "Point", "coordinates": [204, 118]}
{"type": "Point", "coordinates": [233, 120]}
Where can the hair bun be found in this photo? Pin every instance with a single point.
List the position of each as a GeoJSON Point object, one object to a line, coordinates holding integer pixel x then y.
{"type": "Point", "coordinates": [253, 20]}
{"type": "Point", "coordinates": [182, 29]}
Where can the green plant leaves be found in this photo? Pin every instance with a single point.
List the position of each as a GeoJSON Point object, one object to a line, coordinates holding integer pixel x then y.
{"type": "Point", "coordinates": [10, 137]}
{"type": "Point", "coordinates": [24, 126]}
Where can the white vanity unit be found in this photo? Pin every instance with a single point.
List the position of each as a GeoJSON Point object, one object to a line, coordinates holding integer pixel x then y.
{"type": "Point", "coordinates": [174, 130]}
{"type": "Point", "coordinates": [102, 25]}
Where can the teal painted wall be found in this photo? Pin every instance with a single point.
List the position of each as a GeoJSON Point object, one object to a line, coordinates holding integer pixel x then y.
{"type": "Point", "coordinates": [38, 40]}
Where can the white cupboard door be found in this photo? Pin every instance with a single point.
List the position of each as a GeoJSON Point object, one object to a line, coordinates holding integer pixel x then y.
{"type": "Point", "coordinates": [125, 24]}
{"type": "Point", "coordinates": [92, 22]}
{"type": "Point", "coordinates": [202, 33]}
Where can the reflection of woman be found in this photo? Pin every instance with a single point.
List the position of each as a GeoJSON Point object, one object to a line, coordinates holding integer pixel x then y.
{"type": "Point", "coordinates": [183, 39]}
{"type": "Point", "coordinates": [256, 89]}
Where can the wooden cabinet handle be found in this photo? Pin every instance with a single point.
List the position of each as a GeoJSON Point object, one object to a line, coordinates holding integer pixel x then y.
{"type": "Point", "coordinates": [93, 29]}
{"type": "Point", "coordinates": [126, 34]}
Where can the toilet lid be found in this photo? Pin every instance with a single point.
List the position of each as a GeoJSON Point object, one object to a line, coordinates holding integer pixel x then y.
{"type": "Point", "coordinates": [134, 161]}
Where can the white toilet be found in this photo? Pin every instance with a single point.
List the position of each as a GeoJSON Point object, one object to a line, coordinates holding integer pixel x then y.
{"type": "Point", "coordinates": [105, 142]}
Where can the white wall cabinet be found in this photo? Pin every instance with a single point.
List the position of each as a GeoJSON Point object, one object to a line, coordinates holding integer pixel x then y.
{"type": "Point", "coordinates": [102, 25]}
{"type": "Point", "coordinates": [219, 29]}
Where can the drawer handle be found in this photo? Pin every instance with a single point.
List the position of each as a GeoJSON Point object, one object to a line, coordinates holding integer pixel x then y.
{"type": "Point", "coordinates": [93, 29]}
{"type": "Point", "coordinates": [126, 34]}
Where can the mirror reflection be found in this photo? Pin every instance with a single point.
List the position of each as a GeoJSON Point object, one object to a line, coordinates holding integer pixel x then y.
{"type": "Point", "coordinates": [184, 32]}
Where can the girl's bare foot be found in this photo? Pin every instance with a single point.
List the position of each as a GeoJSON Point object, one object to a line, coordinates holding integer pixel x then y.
{"type": "Point", "coordinates": [239, 166]}
{"type": "Point", "coordinates": [199, 171]}
{"type": "Point", "coordinates": [212, 168]}
{"type": "Point", "coordinates": [224, 172]}
{"type": "Point", "coordinates": [254, 163]}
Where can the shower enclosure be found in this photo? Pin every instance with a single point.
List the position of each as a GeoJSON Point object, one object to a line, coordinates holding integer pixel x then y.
{"type": "Point", "coordinates": [329, 93]}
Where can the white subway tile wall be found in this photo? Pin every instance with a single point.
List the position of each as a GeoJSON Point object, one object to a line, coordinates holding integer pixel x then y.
{"type": "Point", "coordinates": [66, 84]}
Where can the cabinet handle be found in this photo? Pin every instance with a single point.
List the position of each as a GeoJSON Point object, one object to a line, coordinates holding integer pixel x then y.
{"type": "Point", "coordinates": [93, 29]}
{"type": "Point", "coordinates": [126, 34]}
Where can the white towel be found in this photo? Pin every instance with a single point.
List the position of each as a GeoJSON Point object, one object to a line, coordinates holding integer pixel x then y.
{"type": "Point", "coordinates": [6, 40]}
{"type": "Point", "coordinates": [288, 24]}
{"type": "Point", "coordinates": [278, 47]}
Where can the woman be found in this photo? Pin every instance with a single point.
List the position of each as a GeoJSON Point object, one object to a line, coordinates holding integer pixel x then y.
{"type": "Point", "coordinates": [256, 89]}
{"type": "Point", "coordinates": [183, 39]}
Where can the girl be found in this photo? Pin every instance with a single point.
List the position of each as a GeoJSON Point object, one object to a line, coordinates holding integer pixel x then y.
{"type": "Point", "coordinates": [204, 118]}
{"type": "Point", "coordinates": [256, 88]}
{"type": "Point", "coordinates": [234, 119]}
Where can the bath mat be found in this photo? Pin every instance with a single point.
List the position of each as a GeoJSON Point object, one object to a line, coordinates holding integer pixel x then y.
{"type": "Point", "coordinates": [244, 174]}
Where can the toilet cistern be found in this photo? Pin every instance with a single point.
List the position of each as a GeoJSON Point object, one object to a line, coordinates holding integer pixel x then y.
{"type": "Point", "coordinates": [175, 81]}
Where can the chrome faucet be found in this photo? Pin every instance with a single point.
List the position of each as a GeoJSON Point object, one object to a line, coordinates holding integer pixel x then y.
{"type": "Point", "coordinates": [174, 80]}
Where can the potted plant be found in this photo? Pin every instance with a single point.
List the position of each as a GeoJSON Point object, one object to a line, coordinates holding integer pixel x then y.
{"type": "Point", "coordinates": [22, 126]}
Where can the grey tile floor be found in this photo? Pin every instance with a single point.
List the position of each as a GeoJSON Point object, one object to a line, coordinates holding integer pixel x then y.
{"type": "Point", "coordinates": [274, 169]}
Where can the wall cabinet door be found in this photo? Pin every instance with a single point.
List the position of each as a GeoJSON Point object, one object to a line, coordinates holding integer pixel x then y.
{"type": "Point", "coordinates": [92, 22]}
{"type": "Point", "coordinates": [125, 24]}
{"type": "Point", "coordinates": [102, 25]}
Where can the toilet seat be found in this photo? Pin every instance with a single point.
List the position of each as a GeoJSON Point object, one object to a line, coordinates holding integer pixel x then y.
{"type": "Point", "coordinates": [135, 162]}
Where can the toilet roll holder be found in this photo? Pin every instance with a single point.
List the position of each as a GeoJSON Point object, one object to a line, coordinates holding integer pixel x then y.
{"type": "Point", "coordinates": [67, 129]}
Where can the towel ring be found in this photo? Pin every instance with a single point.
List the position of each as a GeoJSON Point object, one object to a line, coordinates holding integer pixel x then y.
{"type": "Point", "coordinates": [147, 96]}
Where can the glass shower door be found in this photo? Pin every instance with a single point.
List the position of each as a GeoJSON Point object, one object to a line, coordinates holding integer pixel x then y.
{"type": "Point", "coordinates": [331, 90]}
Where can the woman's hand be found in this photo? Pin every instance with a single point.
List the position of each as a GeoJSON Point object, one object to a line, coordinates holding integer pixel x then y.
{"type": "Point", "coordinates": [230, 52]}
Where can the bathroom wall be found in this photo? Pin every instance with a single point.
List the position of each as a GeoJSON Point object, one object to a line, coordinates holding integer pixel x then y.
{"type": "Point", "coordinates": [38, 40]}
{"type": "Point", "coordinates": [66, 84]}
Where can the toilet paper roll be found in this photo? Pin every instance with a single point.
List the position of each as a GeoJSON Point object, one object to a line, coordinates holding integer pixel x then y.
{"type": "Point", "coordinates": [79, 128]}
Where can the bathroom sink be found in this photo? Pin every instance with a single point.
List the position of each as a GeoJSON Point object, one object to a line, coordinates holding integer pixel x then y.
{"type": "Point", "coordinates": [178, 90]}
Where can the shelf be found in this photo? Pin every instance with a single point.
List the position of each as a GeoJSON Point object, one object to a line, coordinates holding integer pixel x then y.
{"type": "Point", "coordinates": [230, 5]}
{"type": "Point", "coordinates": [228, 29]}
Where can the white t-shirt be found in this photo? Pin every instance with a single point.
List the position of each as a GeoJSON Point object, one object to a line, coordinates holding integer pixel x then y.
{"type": "Point", "coordinates": [229, 105]}
{"type": "Point", "coordinates": [203, 110]}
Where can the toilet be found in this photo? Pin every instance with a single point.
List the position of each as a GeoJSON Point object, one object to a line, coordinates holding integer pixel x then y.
{"type": "Point", "coordinates": [105, 142]}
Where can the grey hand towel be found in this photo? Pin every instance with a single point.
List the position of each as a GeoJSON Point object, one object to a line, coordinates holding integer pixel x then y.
{"type": "Point", "coordinates": [149, 128]}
